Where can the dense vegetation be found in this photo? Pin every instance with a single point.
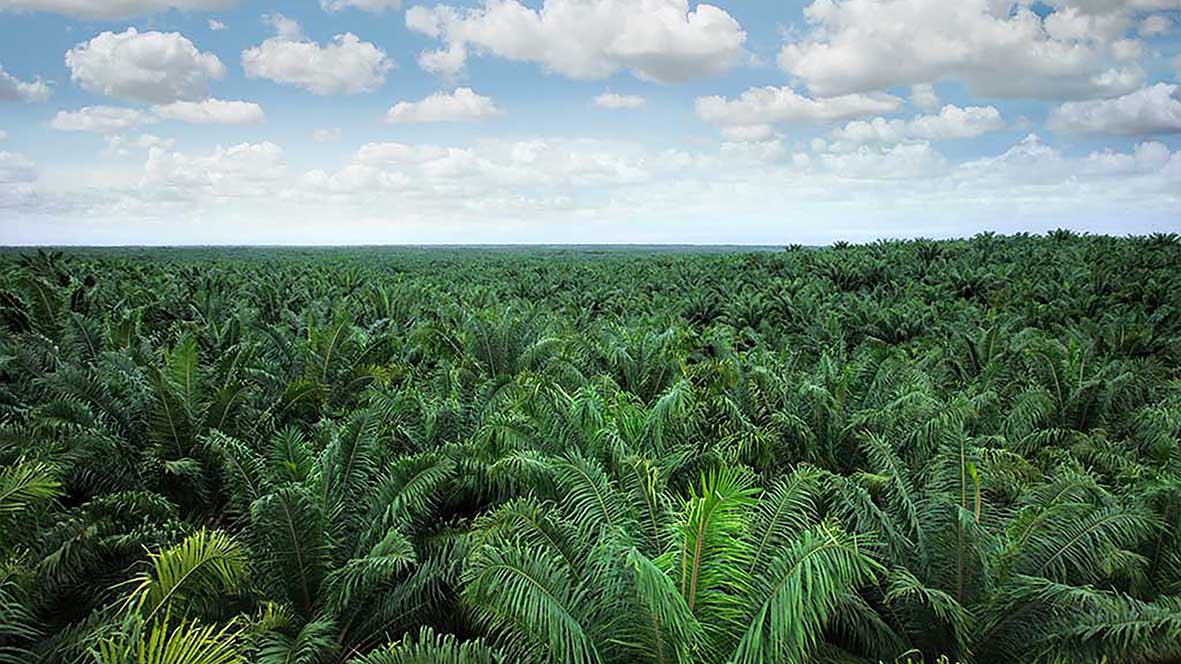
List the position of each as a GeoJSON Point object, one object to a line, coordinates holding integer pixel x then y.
{"type": "Point", "coordinates": [900, 451]}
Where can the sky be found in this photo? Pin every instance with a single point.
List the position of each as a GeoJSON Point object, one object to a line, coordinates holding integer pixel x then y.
{"type": "Point", "coordinates": [149, 122]}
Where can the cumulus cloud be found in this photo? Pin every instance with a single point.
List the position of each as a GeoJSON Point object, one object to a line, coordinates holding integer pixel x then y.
{"type": "Point", "coordinates": [364, 5]}
{"type": "Point", "coordinates": [112, 9]}
{"type": "Point", "coordinates": [1000, 49]}
{"type": "Point", "coordinates": [902, 161]}
{"type": "Point", "coordinates": [330, 135]}
{"type": "Point", "coordinates": [14, 89]}
{"type": "Point", "coordinates": [285, 28]}
{"type": "Point", "coordinates": [212, 111]}
{"type": "Point", "coordinates": [491, 168]}
{"type": "Point", "coordinates": [245, 170]}
{"type": "Point", "coordinates": [1152, 110]}
{"type": "Point", "coordinates": [614, 101]}
{"type": "Point", "coordinates": [658, 40]}
{"type": "Point", "coordinates": [952, 122]}
{"type": "Point", "coordinates": [99, 119]}
{"type": "Point", "coordinates": [775, 105]}
{"type": "Point", "coordinates": [216, 25]}
{"type": "Point", "coordinates": [1147, 157]}
{"type": "Point", "coordinates": [462, 105]}
{"type": "Point", "coordinates": [1157, 24]}
{"type": "Point", "coordinates": [150, 67]}
{"type": "Point", "coordinates": [923, 97]}
{"type": "Point", "coordinates": [123, 146]}
{"type": "Point", "coordinates": [345, 66]}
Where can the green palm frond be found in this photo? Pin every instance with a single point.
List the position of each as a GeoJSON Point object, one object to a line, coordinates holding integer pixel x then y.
{"type": "Point", "coordinates": [313, 643]}
{"type": "Point", "coordinates": [784, 510]}
{"type": "Point", "coordinates": [712, 553]}
{"type": "Point", "coordinates": [190, 576]}
{"type": "Point", "coordinates": [428, 647]}
{"type": "Point", "coordinates": [800, 594]}
{"type": "Point", "coordinates": [184, 643]}
{"type": "Point", "coordinates": [289, 525]}
{"type": "Point", "coordinates": [349, 586]}
{"type": "Point", "coordinates": [24, 486]}
{"type": "Point", "coordinates": [1071, 545]}
{"type": "Point", "coordinates": [672, 629]}
{"type": "Point", "coordinates": [528, 600]}
{"type": "Point", "coordinates": [590, 498]}
{"type": "Point", "coordinates": [1086, 624]}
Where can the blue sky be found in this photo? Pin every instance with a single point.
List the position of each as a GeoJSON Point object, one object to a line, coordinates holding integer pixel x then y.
{"type": "Point", "coordinates": [377, 121]}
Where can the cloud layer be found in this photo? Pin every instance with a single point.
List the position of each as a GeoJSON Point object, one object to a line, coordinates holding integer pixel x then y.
{"type": "Point", "coordinates": [657, 40]}
{"type": "Point", "coordinates": [112, 9]}
{"type": "Point", "coordinates": [1152, 110]}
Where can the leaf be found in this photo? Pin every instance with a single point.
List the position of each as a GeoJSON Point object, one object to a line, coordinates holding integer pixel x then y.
{"type": "Point", "coordinates": [289, 526]}
{"type": "Point", "coordinates": [800, 595]}
{"type": "Point", "coordinates": [194, 574]}
{"type": "Point", "coordinates": [431, 648]}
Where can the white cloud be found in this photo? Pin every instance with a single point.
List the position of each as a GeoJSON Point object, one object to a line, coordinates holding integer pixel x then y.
{"type": "Point", "coordinates": [212, 111]}
{"type": "Point", "coordinates": [112, 9]}
{"type": "Point", "coordinates": [861, 45]}
{"type": "Point", "coordinates": [773, 105]}
{"type": "Point", "coordinates": [330, 135]}
{"type": "Point", "coordinates": [122, 146]}
{"type": "Point", "coordinates": [577, 190]}
{"type": "Point", "coordinates": [151, 67]}
{"type": "Point", "coordinates": [658, 40]}
{"type": "Point", "coordinates": [17, 175]}
{"type": "Point", "coordinates": [345, 66]}
{"type": "Point", "coordinates": [246, 170]}
{"type": "Point", "coordinates": [1157, 24]}
{"type": "Point", "coordinates": [903, 161]}
{"type": "Point", "coordinates": [1109, 6]}
{"type": "Point", "coordinates": [952, 122]}
{"type": "Point", "coordinates": [446, 62]}
{"type": "Point", "coordinates": [492, 168]}
{"type": "Point", "coordinates": [287, 29]}
{"type": "Point", "coordinates": [364, 5]}
{"type": "Point", "coordinates": [216, 25]}
{"type": "Point", "coordinates": [14, 89]}
{"type": "Point", "coordinates": [1151, 110]}
{"type": "Point", "coordinates": [1148, 157]}
{"type": "Point", "coordinates": [99, 119]}
{"type": "Point", "coordinates": [766, 150]}
{"type": "Point", "coordinates": [757, 133]}
{"type": "Point", "coordinates": [463, 105]}
{"type": "Point", "coordinates": [923, 97]}
{"type": "Point", "coordinates": [616, 101]}
{"type": "Point", "coordinates": [16, 169]}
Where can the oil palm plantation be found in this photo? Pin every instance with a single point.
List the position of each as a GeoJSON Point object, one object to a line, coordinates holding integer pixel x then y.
{"type": "Point", "coordinates": [901, 452]}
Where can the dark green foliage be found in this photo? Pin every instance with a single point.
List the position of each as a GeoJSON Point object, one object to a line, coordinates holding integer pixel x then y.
{"type": "Point", "coordinates": [894, 452]}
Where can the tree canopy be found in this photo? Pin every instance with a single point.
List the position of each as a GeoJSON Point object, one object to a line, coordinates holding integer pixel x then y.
{"type": "Point", "coordinates": [896, 452]}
